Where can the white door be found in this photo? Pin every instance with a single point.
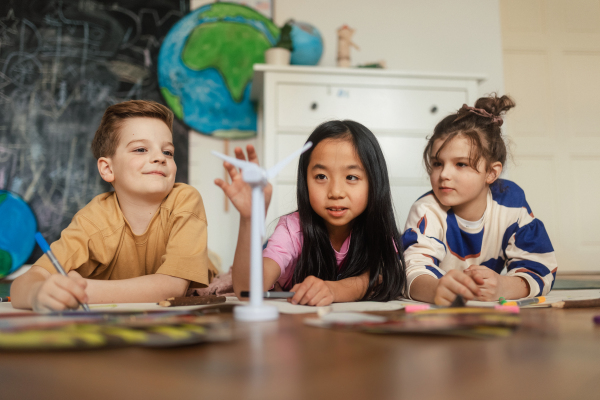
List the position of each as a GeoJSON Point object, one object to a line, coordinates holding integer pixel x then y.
{"type": "Point", "coordinates": [552, 69]}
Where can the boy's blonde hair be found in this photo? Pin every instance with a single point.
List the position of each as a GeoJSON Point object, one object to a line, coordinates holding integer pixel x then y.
{"type": "Point", "coordinates": [106, 138]}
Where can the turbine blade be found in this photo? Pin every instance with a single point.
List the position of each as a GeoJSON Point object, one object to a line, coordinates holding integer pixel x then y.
{"type": "Point", "coordinates": [273, 171]}
{"type": "Point", "coordinates": [232, 160]}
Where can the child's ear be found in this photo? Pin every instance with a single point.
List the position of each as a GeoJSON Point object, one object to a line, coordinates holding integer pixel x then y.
{"type": "Point", "coordinates": [494, 172]}
{"type": "Point", "coordinates": [105, 169]}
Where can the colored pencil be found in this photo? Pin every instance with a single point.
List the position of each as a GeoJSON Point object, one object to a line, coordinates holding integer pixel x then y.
{"type": "Point", "coordinates": [272, 295]}
{"type": "Point", "coordinates": [191, 301]}
{"type": "Point", "coordinates": [5, 299]}
{"type": "Point", "coordinates": [577, 303]}
{"type": "Point", "coordinates": [46, 249]}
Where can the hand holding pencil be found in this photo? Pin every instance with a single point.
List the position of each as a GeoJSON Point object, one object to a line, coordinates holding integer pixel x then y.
{"type": "Point", "coordinates": [59, 291]}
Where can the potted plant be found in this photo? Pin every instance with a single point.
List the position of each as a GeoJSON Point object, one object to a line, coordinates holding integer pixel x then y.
{"type": "Point", "coordinates": [281, 53]}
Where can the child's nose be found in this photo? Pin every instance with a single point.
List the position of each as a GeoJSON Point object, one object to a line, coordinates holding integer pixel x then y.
{"type": "Point", "coordinates": [336, 190]}
{"type": "Point", "coordinates": [445, 173]}
{"type": "Point", "coordinates": [159, 157]}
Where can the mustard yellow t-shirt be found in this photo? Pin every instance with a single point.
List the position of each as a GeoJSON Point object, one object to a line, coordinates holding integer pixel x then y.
{"type": "Point", "coordinates": [100, 244]}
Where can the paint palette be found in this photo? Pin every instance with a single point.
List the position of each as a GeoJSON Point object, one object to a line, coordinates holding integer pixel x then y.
{"type": "Point", "coordinates": [471, 322]}
{"type": "Point", "coordinates": [77, 330]}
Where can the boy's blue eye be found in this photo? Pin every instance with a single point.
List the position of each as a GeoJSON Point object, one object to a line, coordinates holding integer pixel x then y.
{"type": "Point", "coordinates": [168, 153]}
{"type": "Point", "coordinates": [140, 150]}
{"type": "Point", "coordinates": [460, 164]}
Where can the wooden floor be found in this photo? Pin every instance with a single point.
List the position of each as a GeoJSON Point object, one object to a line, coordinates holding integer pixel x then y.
{"type": "Point", "coordinates": [554, 355]}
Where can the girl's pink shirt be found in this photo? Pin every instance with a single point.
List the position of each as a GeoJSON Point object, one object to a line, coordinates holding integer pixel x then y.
{"type": "Point", "coordinates": [285, 246]}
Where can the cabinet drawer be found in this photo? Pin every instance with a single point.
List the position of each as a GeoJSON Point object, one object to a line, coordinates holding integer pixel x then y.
{"type": "Point", "coordinates": [379, 108]}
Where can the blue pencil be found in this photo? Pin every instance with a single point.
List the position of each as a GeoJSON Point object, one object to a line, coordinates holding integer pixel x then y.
{"type": "Point", "coordinates": [46, 249]}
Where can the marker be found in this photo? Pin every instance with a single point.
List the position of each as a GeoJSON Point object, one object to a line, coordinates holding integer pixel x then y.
{"type": "Point", "coordinates": [4, 299]}
{"type": "Point", "coordinates": [272, 295]}
{"type": "Point", "coordinates": [526, 302]}
{"type": "Point", "coordinates": [46, 249]}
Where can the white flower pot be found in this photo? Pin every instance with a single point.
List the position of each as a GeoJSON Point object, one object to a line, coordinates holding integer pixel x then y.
{"type": "Point", "coordinates": [277, 56]}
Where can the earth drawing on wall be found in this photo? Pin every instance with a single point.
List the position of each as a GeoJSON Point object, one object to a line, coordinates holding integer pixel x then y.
{"type": "Point", "coordinates": [205, 68]}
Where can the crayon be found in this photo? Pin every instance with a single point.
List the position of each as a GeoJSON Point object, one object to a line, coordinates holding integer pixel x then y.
{"type": "Point", "coordinates": [46, 249]}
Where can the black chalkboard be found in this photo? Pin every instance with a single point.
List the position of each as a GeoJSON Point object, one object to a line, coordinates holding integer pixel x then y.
{"type": "Point", "coordinates": [62, 62]}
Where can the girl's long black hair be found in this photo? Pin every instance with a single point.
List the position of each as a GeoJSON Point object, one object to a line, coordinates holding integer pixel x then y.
{"type": "Point", "coordinates": [374, 232]}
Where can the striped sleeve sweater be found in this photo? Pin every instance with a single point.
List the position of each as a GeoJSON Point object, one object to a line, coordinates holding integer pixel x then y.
{"type": "Point", "coordinates": [510, 237]}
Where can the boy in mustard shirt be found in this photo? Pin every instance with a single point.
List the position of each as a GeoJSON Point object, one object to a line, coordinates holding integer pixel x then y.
{"type": "Point", "coordinates": [144, 242]}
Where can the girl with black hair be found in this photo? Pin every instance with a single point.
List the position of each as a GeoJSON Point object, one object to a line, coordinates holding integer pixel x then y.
{"type": "Point", "coordinates": [342, 244]}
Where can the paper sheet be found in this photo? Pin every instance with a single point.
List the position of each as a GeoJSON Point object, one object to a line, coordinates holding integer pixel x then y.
{"type": "Point", "coordinates": [282, 305]}
{"type": "Point", "coordinates": [287, 308]}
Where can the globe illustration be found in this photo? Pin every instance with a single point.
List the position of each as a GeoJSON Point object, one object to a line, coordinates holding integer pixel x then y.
{"type": "Point", "coordinates": [205, 68]}
{"type": "Point", "coordinates": [17, 232]}
{"type": "Point", "coordinates": [308, 44]}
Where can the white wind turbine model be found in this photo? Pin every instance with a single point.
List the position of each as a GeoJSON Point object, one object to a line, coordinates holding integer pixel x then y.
{"type": "Point", "coordinates": [257, 178]}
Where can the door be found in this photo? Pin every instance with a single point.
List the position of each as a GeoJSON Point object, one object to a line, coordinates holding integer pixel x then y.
{"type": "Point", "coordinates": [552, 69]}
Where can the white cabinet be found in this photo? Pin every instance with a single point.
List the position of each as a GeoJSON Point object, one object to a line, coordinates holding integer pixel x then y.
{"type": "Point", "coordinates": [400, 108]}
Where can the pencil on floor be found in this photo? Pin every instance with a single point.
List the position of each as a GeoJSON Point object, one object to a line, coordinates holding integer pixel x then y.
{"type": "Point", "coordinates": [192, 301]}
{"type": "Point", "coordinates": [577, 303]}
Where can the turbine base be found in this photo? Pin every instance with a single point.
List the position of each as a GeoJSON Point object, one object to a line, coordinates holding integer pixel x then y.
{"type": "Point", "coordinates": [255, 313]}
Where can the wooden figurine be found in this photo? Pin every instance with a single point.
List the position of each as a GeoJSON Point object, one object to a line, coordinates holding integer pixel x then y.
{"type": "Point", "coordinates": [344, 43]}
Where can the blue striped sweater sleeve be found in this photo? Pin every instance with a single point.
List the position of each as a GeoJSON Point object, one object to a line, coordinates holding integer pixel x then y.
{"type": "Point", "coordinates": [423, 251]}
{"type": "Point", "coordinates": [530, 255]}
{"type": "Point", "coordinates": [526, 245]}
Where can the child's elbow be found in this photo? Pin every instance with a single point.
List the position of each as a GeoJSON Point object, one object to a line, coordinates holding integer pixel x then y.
{"type": "Point", "coordinates": [175, 287]}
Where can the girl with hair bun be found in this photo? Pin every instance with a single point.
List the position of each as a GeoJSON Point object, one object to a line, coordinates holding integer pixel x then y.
{"type": "Point", "coordinates": [460, 236]}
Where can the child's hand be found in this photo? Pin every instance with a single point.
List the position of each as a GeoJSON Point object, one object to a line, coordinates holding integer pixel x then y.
{"type": "Point", "coordinates": [59, 293]}
{"type": "Point", "coordinates": [313, 292]}
{"type": "Point", "coordinates": [493, 285]}
{"type": "Point", "coordinates": [453, 283]}
{"type": "Point", "coordinates": [238, 191]}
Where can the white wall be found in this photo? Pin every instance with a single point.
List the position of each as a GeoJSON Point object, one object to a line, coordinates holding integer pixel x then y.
{"type": "Point", "coordinates": [459, 36]}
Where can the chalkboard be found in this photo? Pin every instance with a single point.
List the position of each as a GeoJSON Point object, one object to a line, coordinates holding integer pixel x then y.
{"type": "Point", "coordinates": [62, 62]}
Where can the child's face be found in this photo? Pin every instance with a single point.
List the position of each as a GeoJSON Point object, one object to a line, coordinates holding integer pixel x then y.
{"type": "Point", "coordinates": [143, 166]}
{"type": "Point", "coordinates": [337, 183]}
{"type": "Point", "coordinates": [455, 183]}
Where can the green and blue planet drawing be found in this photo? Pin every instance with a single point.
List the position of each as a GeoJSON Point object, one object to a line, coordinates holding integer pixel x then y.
{"type": "Point", "coordinates": [17, 232]}
{"type": "Point", "coordinates": [205, 66]}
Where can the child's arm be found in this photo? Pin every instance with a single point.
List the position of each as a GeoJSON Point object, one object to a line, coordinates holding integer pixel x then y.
{"type": "Point", "coordinates": [240, 194]}
{"type": "Point", "coordinates": [530, 255]}
{"type": "Point", "coordinates": [317, 292]}
{"type": "Point", "coordinates": [41, 291]}
{"type": "Point", "coordinates": [240, 273]}
{"type": "Point", "coordinates": [142, 289]}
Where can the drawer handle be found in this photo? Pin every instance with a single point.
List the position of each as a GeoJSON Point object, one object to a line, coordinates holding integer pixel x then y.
{"type": "Point", "coordinates": [433, 109]}
{"type": "Point", "coordinates": [314, 106]}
